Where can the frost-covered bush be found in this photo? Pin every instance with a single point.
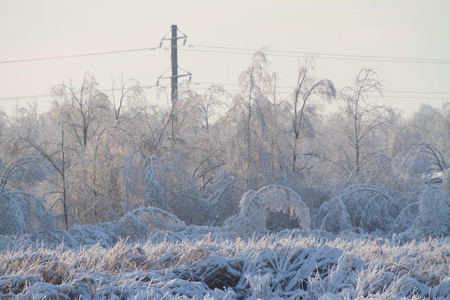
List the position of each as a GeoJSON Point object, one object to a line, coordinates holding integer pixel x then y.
{"type": "Point", "coordinates": [161, 182]}
{"type": "Point", "coordinates": [138, 224]}
{"type": "Point", "coordinates": [366, 207]}
{"type": "Point", "coordinates": [406, 218]}
{"type": "Point", "coordinates": [333, 216]}
{"type": "Point", "coordinates": [182, 194]}
{"type": "Point", "coordinates": [255, 206]}
{"type": "Point", "coordinates": [429, 214]}
{"type": "Point", "coordinates": [221, 202]}
{"type": "Point", "coordinates": [154, 193]}
{"type": "Point", "coordinates": [22, 213]}
{"type": "Point", "coordinates": [433, 214]}
{"type": "Point", "coordinates": [141, 185]}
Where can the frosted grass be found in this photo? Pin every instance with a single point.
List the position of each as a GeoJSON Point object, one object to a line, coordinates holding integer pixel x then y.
{"type": "Point", "coordinates": [288, 265]}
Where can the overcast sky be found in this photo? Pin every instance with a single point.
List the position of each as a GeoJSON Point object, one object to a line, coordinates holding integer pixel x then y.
{"type": "Point", "coordinates": [398, 29]}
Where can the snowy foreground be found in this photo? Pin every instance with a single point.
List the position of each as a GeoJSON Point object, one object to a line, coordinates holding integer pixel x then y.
{"type": "Point", "coordinates": [204, 263]}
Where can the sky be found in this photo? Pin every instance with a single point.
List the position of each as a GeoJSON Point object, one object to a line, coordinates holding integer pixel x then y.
{"type": "Point", "coordinates": [343, 36]}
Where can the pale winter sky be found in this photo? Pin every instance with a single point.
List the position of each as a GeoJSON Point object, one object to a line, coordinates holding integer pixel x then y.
{"type": "Point", "coordinates": [344, 36]}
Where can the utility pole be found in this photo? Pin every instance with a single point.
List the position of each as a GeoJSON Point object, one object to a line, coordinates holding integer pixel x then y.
{"type": "Point", "coordinates": [174, 59]}
{"type": "Point", "coordinates": [174, 78]}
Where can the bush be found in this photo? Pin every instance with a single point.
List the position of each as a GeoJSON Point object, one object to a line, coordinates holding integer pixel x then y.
{"type": "Point", "coordinates": [255, 207]}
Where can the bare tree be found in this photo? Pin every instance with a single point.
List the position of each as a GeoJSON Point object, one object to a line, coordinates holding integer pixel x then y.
{"type": "Point", "coordinates": [206, 106]}
{"type": "Point", "coordinates": [363, 119]}
{"type": "Point", "coordinates": [83, 109]}
{"type": "Point", "coordinates": [306, 91]}
{"type": "Point", "coordinates": [59, 162]}
{"type": "Point", "coordinates": [255, 83]}
{"type": "Point", "coordinates": [124, 90]}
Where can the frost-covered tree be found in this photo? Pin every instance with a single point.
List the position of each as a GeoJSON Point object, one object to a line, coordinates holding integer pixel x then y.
{"type": "Point", "coordinates": [205, 108]}
{"type": "Point", "coordinates": [197, 148]}
{"type": "Point", "coordinates": [122, 92]}
{"type": "Point", "coordinates": [429, 125]}
{"type": "Point", "coordinates": [306, 92]}
{"type": "Point", "coordinates": [24, 121]}
{"type": "Point", "coordinates": [364, 124]}
{"type": "Point", "coordinates": [97, 175]}
{"type": "Point", "coordinates": [83, 109]}
{"type": "Point", "coordinates": [23, 174]}
{"type": "Point", "coordinates": [56, 155]}
{"type": "Point", "coordinates": [255, 109]}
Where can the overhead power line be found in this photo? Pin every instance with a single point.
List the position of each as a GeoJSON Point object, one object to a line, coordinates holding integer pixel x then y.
{"type": "Point", "coordinates": [24, 97]}
{"type": "Point", "coordinates": [292, 87]}
{"type": "Point", "coordinates": [247, 51]}
{"type": "Point", "coordinates": [50, 95]}
{"type": "Point", "coordinates": [319, 55]}
{"type": "Point", "coordinates": [76, 55]}
{"type": "Point", "coordinates": [234, 88]}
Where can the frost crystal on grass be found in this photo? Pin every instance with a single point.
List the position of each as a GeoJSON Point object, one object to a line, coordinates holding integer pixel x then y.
{"type": "Point", "coordinates": [273, 266]}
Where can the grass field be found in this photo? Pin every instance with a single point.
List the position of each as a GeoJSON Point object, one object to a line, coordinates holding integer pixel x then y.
{"type": "Point", "coordinates": [287, 265]}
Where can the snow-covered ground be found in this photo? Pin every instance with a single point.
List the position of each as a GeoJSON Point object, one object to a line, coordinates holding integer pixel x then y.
{"type": "Point", "coordinates": [204, 263]}
{"type": "Point", "coordinates": [150, 253]}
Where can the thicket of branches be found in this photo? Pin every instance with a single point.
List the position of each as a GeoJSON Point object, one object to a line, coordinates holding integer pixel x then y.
{"type": "Point", "coordinates": [94, 156]}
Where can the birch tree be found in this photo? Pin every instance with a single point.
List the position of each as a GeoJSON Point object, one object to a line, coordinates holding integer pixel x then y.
{"type": "Point", "coordinates": [255, 84]}
{"type": "Point", "coordinates": [363, 119]}
{"type": "Point", "coordinates": [306, 92]}
{"type": "Point", "coordinates": [83, 109]}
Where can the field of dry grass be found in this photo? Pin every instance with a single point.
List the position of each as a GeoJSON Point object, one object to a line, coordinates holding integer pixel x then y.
{"type": "Point", "coordinates": [289, 265]}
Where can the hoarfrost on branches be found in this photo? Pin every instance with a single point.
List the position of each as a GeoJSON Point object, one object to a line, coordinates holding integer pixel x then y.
{"type": "Point", "coordinates": [332, 216]}
{"type": "Point", "coordinates": [23, 213]}
{"type": "Point", "coordinates": [141, 183]}
{"type": "Point", "coordinates": [433, 218]}
{"type": "Point", "coordinates": [254, 208]}
{"type": "Point", "coordinates": [366, 207]}
{"type": "Point", "coordinates": [154, 193]}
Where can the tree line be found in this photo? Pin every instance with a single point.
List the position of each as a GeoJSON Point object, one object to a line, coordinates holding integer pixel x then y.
{"type": "Point", "coordinates": [93, 157]}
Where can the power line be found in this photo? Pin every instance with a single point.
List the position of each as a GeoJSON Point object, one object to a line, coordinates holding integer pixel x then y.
{"type": "Point", "coordinates": [291, 87]}
{"type": "Point", "coordinates": [416, 92]}
{"type": "Point", "coordinates": [24, 97]}
{"type": "Point", "coordinates": [50, 95]}
{"type": "Point", "coordinates": [75, 55]}
{"type": "Point", "coordinates": [282, 92]}
{"type": "Point", "coordinates": [373, 96]}
{"type": "Point", "coordinates": [319, 55]}
{"type": "Point", "coordinates": [247, 51]}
